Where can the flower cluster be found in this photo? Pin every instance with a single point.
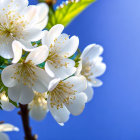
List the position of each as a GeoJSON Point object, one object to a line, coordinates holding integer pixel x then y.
{"type": "Point", "coordinates": [40, 67]}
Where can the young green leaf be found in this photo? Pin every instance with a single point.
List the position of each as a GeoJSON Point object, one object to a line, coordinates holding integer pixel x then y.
{"type": "Point", "coordinates": [67, 11]}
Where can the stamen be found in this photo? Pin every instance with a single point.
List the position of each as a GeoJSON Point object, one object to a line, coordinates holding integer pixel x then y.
{"type": "Point", "coordinates": [56, 59]}
{"type": "Point", "coordinates": [62, 94]}
{"type": "Point", "coordinates": [86, 70]}
{"type": "Point", "coordinates": [11, 25]}
{"type": "Point", "coordinates": [25, 73]}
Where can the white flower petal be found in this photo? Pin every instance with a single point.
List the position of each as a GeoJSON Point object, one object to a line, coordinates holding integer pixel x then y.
{"type": "Point", "coordinates": [21, 44]}
{"type": "Point", "coordinates": [5, 104]}
{"type": "Point", "coordinates": [41, 25]}
{"type": "Point", "coordinates": [26, 95]}
{"type": "Point", "coordinates": [14, 93]}
{"type": "Point", "coordinates": [6, 49]}
{"type": "Point", "coordinates": [61, 115]}
{"type": "Point", "coordinates": [3, 136]}
{"type": "Point", "coordinates": [98, 70]}
{"type": "Point", "coordinates": [96, 82]}
{"type": "Point", "coordinates": [61, 124]}
{"type": "Point", "coordinates": [38, 112]}
{"type": "Point", "coordinates": [61, 71]}
{"type": "Point", "coordinates": [42, 11]}
{"type": "Point", "coordinates": [27, 46]}
{"type": "Point", "coordinates": [77, 105]}
{"type": "Point", "coordinates": [89, 92]}
{"type": "Point", "coordinates": [48, 69]}
{"type": "Point", "coordinates": [42, 82]}
{"type": "Point", "coordinates": [79, 83]}
{"type": "Point", "coordinates": [18, 5]}
{"type": "Point", "coordinates": [91, 51]}
{"type": "Point", "coordinates": [70, 47]}
{"type": "Point", "coordinates": [53, 84]}
{"type": "Point", "coordinates": [32, 34]}
{"type": "Point", "coordinates": [45, 33]}
{"type": "Point", "coordinates": [17, 50]}
{"type": "Point", "coordinates": [53, 34]}
{"type": "Point", "coordinates": [7, 127]}
{"type": "Point", "coordinates": [38, 55]}
{"type": "Point", "coordinates": [98, 59]}
{"type": "Point", "coordinates": [8, 75]}
{"type": "Point", "coordinates": [61, 40]}
{"type": "Point", "coordinates": [21, 94]}
{"type": "Point", "coordinates": [30, 13]}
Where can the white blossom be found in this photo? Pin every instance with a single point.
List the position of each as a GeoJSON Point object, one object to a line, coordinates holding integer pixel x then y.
{"type": "Point", "coordinates": [38, 107]}
{"type": "Point", "coordinates": [20, 22]}
{"type": "Point", "coordinates": [22, 78]}
{"type": "Point", "coordinates": [6, 128]}
{"type": "Point", "coordinates": [91, 66]}
{"type": "Point", "coordinates": [61, 47]}
{"type": "Point", "coordinates": [65, 97]}
{"type": "Point", "coordinates": [5, 103]}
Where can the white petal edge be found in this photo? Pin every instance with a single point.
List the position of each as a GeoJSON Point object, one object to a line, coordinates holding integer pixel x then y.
{"type": "Point", "coordinates": [96, 82]}
{"type": "Point", "coordinates": [38, 55]}
{"type": "Point", "coordinates": [17, 50]}
{"type": "Point", "coordinates": [38, 113]}
{"type": "Point", "coordinates": [89, 92]}
{"type": "Point", "coordinates": [53, 84]}
{"type": "Point", "coordinates": [92, 51]}
{"type": "Point", "coordinates": [79, 83]}
{"type": "Point", "coordinates": [61, 115]}
{"type": "Point", "coordinates": [21, 94]}
{"type": "Point", "coordinates": [3, 136]}
{"type": "Point", "coordinates": [53, 34]}
{"type": "Point", "coordinates": [7, 75]}
{"type": "Point", "coordinates": [77, 105]}
{"type": "Point", "coordinates": [7, 127]}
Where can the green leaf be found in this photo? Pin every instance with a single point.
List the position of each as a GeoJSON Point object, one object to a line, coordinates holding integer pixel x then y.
{"type": "Point", "coordinates": [65, 13]}
{"type": "Point", "coordinates": [77, 59]}
{"type": "Point", "coordinates": [1, 60]}
{"type": "Point", "coordinates": [14, 103]}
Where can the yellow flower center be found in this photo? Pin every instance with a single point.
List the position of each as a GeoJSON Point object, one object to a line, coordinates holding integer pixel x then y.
{"type": "Point", "coordinates": [25, 73]}
{"type": "Point", "coordinates": [86, 70]}
{"type": "Point", "coordinates": [11, 25]}
{"type": "Point", "coordinates": [62, 94]}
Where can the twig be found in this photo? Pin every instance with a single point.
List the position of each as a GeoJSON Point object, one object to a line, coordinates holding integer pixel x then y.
{"type": "Point", "coordinates": [24, 112]}
{"type": "Point", "coordinates": [1, 122]}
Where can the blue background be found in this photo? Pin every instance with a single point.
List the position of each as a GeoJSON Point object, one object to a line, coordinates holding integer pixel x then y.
{"type": "Point", "coordinates": [114, 113]}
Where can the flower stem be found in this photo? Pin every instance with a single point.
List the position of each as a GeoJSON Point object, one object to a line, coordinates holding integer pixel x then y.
{"type": "Point", "coordinates": [24, 112]}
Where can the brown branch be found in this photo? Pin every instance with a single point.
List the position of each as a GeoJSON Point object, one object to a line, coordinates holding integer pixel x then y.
{"type": "Point", "coordinates": [1, 122]}
{"type": "Point", "coordinates": [24, 112]}
{"type": "Point", "coordinates": [49, 2]}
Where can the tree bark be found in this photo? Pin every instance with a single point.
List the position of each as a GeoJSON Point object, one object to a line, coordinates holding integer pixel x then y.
{"type": "Point", "coordinates": [24, 112]}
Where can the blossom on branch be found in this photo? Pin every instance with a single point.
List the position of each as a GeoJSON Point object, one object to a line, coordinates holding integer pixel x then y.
{"type": "Point", "coordinates": [38, 107]}
{"type": "Point", "coordinates": [61, 47]}
{"type": "Point", "coordinates": [91, 66]}
{"type": "Point", "coordinates": [65, 97]}
{"type": "Point", "coordinates": [20, 22]}
{"type": "Point", "coordinates": [22, 78]}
